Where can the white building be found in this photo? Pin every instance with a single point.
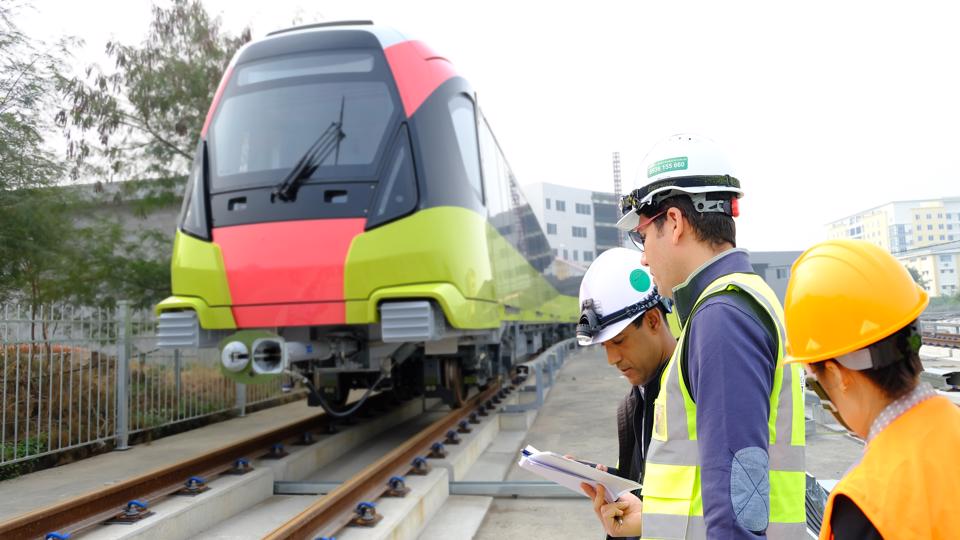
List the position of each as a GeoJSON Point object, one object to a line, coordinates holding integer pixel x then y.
{"type": "Point", "coordinates": [937, 266]}
{"type": "Point", "coordinates": [579, 223]}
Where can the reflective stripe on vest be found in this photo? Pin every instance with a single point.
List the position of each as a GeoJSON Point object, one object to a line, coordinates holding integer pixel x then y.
{"type": "Point", "coordinates": [672, 503]}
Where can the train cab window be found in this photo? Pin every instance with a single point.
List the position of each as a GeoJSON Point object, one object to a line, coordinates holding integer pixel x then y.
{"type": "Point", "coordinates": [465, 126]}
{"type": "Point", "coordinates": [397, 196]}
{"type": "Point", "coordinates": [273, 111]}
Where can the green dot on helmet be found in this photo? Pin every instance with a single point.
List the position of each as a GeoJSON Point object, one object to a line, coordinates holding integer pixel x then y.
{"type": "Point", "coordinates": [640, 280]}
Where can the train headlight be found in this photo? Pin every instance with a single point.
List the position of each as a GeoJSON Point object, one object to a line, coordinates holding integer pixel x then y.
{"type": "Point", "coordinates": [235, 356]}
{"type": "Point", "coordinates": [269, 356]}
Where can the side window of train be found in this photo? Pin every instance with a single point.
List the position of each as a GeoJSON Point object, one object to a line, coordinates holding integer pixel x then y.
{"type": "Point", "coordinates": [465, 126]}
{"type": "Point", "coordinates": [490, 164]}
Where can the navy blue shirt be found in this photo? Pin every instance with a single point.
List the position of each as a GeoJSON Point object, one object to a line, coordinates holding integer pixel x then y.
{"type": "Point", "coordinates": [731, 357]}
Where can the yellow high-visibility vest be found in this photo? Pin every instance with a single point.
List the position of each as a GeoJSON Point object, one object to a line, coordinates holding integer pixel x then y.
{"type": "Point", "coordinates": [672, 501]}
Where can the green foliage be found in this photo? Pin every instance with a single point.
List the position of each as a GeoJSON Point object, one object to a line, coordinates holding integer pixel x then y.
{"type": "Point", "coordinates": [28, 71]}
{"type": "Point", "coordinates": [144, 117]}
{"type": "Point", "coordinates": [61, 259]}
{"type": "Point", "coordinates": [110, 264]}
{"type": "Point", "coordinates": [34, 244]}
{"type": "Point", "coordinates": [944, 304]}
{"type": "Point", "coordinates": [915, 274]}
{"type": "Point", "coordinates": [53, 248]}
{"type": "Point", "coordinates": [32, 446]}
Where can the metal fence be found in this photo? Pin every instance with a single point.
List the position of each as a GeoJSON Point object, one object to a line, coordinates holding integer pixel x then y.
{"type": "Point", "coordinates": [70, 377]}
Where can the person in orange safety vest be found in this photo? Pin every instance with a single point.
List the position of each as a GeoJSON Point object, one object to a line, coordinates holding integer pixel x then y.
{"type": "Point", "coordinates": [851, 314]}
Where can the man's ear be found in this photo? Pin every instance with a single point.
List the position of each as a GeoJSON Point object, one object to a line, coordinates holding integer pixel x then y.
{"type": "Point", "coordinates": [653, 318]}
{"type": "Point", "coordinates": [676, 224]}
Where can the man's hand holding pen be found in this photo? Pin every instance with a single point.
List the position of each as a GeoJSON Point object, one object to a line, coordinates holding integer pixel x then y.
{"type": "Point", "coordinates": [622, 517]}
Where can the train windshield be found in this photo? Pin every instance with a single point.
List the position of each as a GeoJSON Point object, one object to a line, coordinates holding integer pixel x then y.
{"type": "Point", "coordinates": [273, 110]}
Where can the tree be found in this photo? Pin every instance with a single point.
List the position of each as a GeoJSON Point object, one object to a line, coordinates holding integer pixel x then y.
{"type": "Point", "coordinates": [35, 244]}
{"type": "Point", "coordinates": [65, 256]}
{"type": "Point", "coordinates": [28, 70]}
{"type": "Point", "coordinates": [143, 118]}
{"type": "Point", "coordinates": [919, 279]}
{"type": "Point", "coordinates": [30, 229]}
{"type": "Point", "coordinates": [114, 264]}
{"type": "Point", "coordinates": [50, 249]}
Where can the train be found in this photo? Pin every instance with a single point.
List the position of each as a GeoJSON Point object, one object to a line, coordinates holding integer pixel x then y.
{"type": "Point", "coordinates": [351, 222]}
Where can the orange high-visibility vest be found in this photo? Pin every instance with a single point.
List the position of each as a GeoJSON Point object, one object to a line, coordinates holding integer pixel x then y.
{"type": "Point", "coordinates": [907, 482]}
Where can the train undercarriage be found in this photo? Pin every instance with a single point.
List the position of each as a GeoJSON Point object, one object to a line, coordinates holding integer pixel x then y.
{"type": "Point", "coordinates": [412, 352]}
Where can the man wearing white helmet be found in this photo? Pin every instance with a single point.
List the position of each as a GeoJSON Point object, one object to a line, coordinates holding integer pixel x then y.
{"type": "Point", "coordinates": [726, 459]}
{"type": "Point", "coordinates": [622, 310]}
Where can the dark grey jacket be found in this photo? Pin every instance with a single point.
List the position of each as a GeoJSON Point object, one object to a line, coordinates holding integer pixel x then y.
{"type": "Point", "coordinates": [634, 426]}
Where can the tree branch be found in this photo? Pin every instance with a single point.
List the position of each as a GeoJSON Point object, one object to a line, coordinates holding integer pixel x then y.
{"type": "Point", "coordinates": [145, 126]}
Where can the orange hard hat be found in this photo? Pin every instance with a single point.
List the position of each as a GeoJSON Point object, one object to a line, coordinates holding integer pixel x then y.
{"type": "Point", "coordinates": [844, 295]}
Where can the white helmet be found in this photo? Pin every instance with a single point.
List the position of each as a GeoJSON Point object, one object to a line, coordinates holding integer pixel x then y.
{"type": "Point", "coordinates": [615, 290]}
{"type": "Point", "coordinates": [688, 164]}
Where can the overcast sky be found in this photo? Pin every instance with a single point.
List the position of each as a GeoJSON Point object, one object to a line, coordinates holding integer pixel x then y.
{"type": "Point", "coordinates": [827, 108]}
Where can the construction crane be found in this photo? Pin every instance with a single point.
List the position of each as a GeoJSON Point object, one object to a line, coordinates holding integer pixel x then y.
{"type": "Point", "coordinates": [617, 191]}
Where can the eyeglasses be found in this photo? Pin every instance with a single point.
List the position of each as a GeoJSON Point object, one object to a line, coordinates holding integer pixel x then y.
{"type": "Point", "coordinates": [827, 403]}
{"type": "Point", "coordinates": [639, 237]}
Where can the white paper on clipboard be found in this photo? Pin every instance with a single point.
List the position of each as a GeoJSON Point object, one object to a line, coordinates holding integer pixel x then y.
{"type": "Point", "coordinates": [571, 474]}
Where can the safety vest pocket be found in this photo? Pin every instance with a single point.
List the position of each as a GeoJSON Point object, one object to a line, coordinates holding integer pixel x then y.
{"type": "Point", "coordinates": [672, 489]}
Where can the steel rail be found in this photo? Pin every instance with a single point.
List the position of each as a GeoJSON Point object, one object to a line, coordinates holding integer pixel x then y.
{"type": "Point", "coordinates": [941, 340]}
{"type": "Point", "coordinates": [333, 511]}
{"type": "Point", "coordinates": [91, 508]}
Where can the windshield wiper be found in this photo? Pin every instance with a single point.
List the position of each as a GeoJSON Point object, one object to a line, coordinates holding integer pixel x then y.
{"type": "Point", "coordinates": [319, 151]}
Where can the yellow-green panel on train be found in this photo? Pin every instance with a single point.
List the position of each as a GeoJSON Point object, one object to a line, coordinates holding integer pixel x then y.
{"type": "Point", "coordinates": [416, 256]}
{"type": "Point", "coordinates": [199, 282]}
{"type": "Point", "coordinates": [197, 269]}
{"type": "Point", "coordinates": [211, 318]}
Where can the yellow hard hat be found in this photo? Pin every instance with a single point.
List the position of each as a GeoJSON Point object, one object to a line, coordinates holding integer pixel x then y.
{"type": "Point", "coordinates": [844, 295]}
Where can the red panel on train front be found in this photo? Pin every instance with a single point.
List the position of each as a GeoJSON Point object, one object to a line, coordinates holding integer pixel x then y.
{"type": "Point", "coordinates": [314, 313]}
{"type": "Point", "coordinates": [272, 267]}
{"type": "Point", "coordinates": [418, 71]}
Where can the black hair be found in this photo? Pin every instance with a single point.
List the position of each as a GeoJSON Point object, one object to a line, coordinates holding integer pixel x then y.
{"type": "Point", "coordinates": [638, 321]}
{"type": "Point", "coordinates": [717, 228]}
{"type": "Point", "coordinates": [900, 376]}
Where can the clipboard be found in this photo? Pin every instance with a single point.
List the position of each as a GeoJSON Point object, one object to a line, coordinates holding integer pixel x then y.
{"type": "Point", "coordinates": [571, 473]}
